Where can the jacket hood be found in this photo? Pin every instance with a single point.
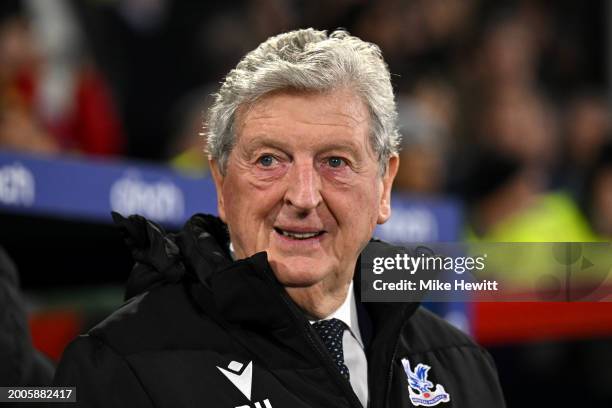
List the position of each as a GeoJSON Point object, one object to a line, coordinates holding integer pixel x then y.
{"type": "Point", "coordinates": [195, 252]}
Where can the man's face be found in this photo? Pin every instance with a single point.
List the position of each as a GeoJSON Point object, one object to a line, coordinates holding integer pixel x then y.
{"type": "Point", "coordinates": [303, 184]}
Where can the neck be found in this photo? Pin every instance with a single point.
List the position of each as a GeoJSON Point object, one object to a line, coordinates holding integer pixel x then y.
{"type": "Point", "coordinates": [318, 302]}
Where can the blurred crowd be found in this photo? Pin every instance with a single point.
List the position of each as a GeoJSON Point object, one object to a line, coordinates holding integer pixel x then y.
{"type": "Point", "coordinates": [504, 105]}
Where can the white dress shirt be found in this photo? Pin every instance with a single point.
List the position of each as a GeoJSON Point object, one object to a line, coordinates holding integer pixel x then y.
{"type": "Point", "coordinates": [352, 346]}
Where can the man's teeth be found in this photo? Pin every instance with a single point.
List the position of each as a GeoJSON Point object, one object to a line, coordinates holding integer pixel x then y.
{"type": "Point", "coordinates": [298, 235]}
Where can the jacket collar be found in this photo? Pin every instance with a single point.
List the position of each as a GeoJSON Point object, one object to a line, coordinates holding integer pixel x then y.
{"type": "Point", "coordinates": [247, 293]}
{"type": "Point", "coordinates": [244, 292]}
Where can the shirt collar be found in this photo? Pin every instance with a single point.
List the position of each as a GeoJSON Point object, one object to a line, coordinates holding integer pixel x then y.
{"type": "Point", "coordinates": [347, 313]}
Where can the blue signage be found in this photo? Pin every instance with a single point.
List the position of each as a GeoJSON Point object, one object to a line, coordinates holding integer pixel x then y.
{"type": "Point", "coordinates": [416, 219]}
{"type": "Point", "coordinates": [91, 189]}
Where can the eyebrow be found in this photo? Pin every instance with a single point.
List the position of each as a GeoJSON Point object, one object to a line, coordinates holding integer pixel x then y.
{"type": "Point", "coordinates": [352, 148]}
{"type": "Point", "coordinates": [264, 141]}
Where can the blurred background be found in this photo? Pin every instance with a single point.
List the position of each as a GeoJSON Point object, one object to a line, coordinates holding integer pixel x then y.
{"type": "Point", "coordinates": [504, 108]}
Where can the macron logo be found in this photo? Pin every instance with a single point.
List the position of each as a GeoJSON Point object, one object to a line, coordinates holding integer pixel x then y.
{"type": "Point", "coordinates": [241, 380]}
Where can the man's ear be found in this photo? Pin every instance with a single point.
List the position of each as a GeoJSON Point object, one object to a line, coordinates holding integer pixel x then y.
{"type": "Point", "coordinates": [384, 211]}
{"type": "Point", "coordinates": [218, 178]}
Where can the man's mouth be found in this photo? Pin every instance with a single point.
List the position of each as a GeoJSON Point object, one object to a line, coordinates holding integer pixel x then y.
{"type": "Point", "coordinates": [298, 234]}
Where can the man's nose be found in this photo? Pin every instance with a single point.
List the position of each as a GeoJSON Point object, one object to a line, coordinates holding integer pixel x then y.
{"type": "Point", "coordinates": [304, 187]}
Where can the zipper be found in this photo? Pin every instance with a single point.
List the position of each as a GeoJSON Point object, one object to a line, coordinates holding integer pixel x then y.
{"type": "Point", "coordinates": [322, 353]}
{"type": "Point", "coordinates": [390, 372]}
{"type": "Point", "coordinates": [387, 393]}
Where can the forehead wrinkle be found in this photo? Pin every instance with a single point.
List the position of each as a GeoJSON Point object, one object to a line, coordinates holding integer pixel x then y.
{"type": "Point", "coordinates": [265, 133]}
{"type": "Point", "coordinates": [254, 117]}
{"type": "Point", "coordinates": [343, 125]}
{"type": "Point", "coordinates": [285, 144]}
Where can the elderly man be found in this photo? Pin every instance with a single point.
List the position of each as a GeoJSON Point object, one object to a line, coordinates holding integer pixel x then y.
{"type": "Point", "coordinates": [258, 308]}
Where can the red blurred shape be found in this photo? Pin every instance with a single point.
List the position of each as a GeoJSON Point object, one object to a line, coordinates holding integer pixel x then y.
{"type": "Point", "coordinates": [506, 323]}
{"type": "Point", "coordinates": [52, 331]}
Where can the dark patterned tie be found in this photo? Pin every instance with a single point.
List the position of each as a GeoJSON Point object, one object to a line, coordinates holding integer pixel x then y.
{"type": "Point", "coordinates": [331, 332]}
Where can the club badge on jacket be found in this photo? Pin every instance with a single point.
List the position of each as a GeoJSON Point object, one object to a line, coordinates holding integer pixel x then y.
{"type": "Point", "coordinates": [420, 387]}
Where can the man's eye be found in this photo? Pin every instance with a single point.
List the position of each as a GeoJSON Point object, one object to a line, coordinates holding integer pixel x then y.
{"type": "Point", "coordinates": [336, 162]}
{"type": "Point", "coordinates": [266, 160]}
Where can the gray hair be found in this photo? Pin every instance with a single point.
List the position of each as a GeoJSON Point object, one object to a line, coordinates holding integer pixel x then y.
{"type": "Point", "coordinates": [307, 60]}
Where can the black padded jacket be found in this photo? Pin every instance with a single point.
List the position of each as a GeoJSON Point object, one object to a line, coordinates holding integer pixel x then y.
{"type": "Point", "coordinates": [200, 330]}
